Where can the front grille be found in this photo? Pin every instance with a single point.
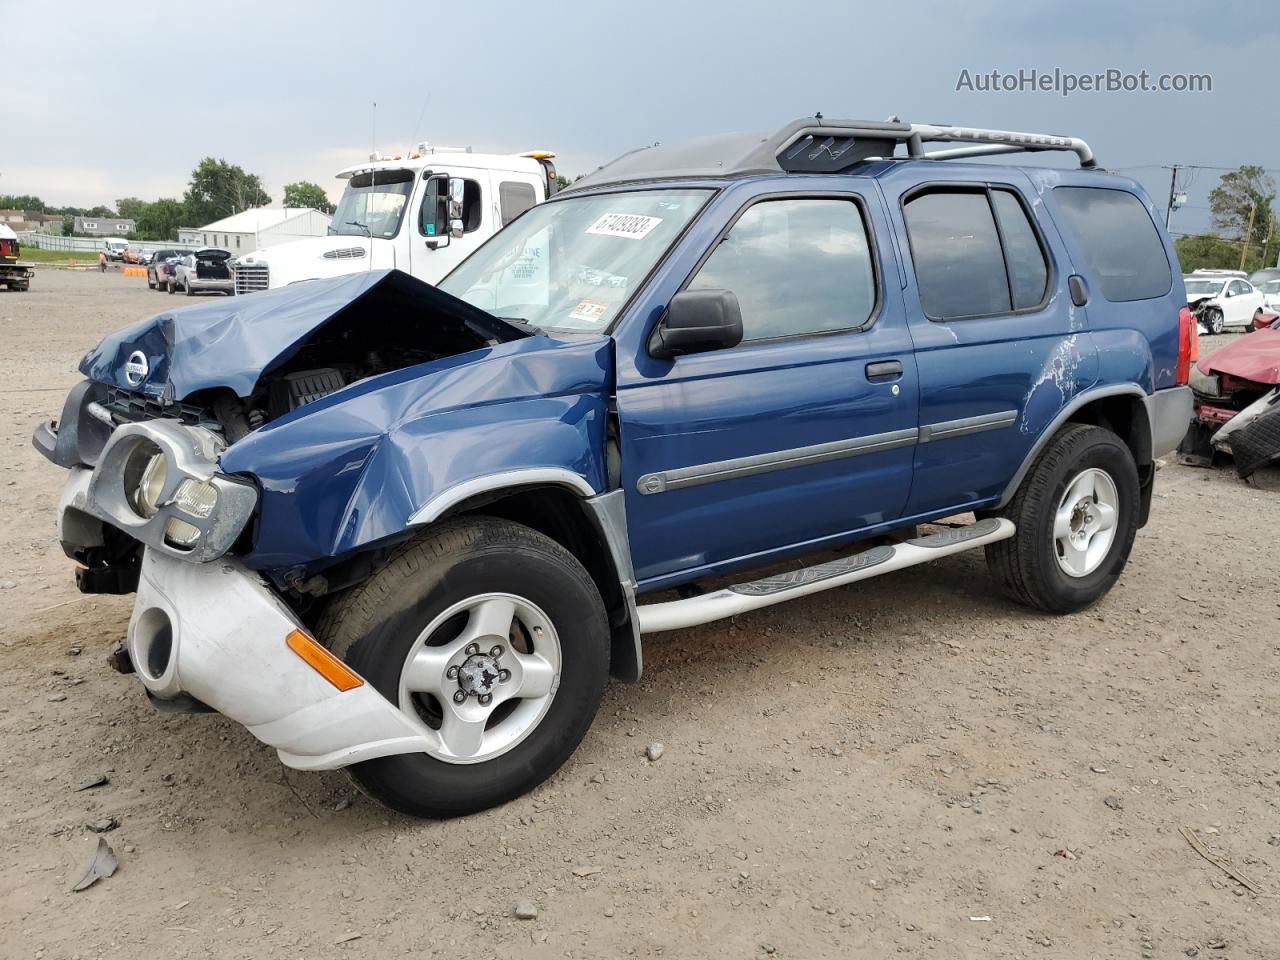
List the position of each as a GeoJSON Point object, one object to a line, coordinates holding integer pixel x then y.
{"type": "Point", "coordinates": [252, 279]}
{"type": "Point", "coordinates": [136, 407]}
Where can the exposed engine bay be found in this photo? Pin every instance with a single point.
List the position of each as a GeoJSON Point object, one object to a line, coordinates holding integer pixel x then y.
{"type": "Point", "coordinates": [392, 323]}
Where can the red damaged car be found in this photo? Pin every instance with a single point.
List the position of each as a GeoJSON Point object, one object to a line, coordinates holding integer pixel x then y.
{"type": "Point", "coordinates": [1237, 403]}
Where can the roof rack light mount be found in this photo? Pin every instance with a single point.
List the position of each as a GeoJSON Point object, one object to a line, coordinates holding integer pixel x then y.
{"type": "Point", "coordinates": [815, 145]}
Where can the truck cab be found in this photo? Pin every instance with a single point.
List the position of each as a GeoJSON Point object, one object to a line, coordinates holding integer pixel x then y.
{"type": "Point", "coordinates": [423, 215]}
{"type": "Point", "coordinates": [116, 247]}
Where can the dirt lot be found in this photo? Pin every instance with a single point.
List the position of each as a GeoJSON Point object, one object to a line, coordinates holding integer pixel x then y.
{"type": "Point", "coordinates": [910, 766]}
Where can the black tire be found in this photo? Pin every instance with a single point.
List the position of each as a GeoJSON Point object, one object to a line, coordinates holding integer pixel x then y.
{"type": "Point", "coordinates": [1214, 321]}
{"type": "Point", "coordinates": [151, 284]}
{"type": "Point", "coordinates": [169, 285]}
{"type": "Point", "coordinates": [374, 626]}
{"type": "Point", "coordinates": [187, 289]}
{"type": "Point", "coordinates": [1026, 565]}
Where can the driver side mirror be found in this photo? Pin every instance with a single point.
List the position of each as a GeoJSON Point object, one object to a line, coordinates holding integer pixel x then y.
{"type": "Point", "coordinates": [697, 321]}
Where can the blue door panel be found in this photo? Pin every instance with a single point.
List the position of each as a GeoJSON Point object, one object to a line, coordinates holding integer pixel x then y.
{"type": "Point", "coordinates": [1028, 364]}
{"type": "Point", "coordinates": [727, 406]}
{"type": "Point", "coordinates": [1033, 376]}
{"type": "Point", "coordinates": [760, 400]}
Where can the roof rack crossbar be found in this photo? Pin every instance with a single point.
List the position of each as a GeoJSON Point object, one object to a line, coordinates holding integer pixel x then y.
{"type": "Point", "coordinates": [836, 137]}
{"type": "Point", "coordinates": [817, 145]}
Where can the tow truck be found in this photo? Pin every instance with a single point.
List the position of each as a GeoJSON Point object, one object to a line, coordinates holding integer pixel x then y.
{"type": "Point", "coordinates": [13, 275]}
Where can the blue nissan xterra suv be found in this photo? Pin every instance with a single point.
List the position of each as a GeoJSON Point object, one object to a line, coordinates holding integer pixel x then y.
{"type": "Point", "coordinates": [406, 530]}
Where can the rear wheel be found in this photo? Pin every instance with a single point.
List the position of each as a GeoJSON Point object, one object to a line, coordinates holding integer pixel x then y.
{"type": "Point", "coordinates": [1077, 516]}
{"type": "Point", "coordinates": [186, 286]}
{"type": "Point", "coordinates": [169, 285]}
{"type": "Point", "coordinates": [492, 639]}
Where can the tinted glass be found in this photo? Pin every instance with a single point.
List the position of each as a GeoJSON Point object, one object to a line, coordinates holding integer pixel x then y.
{"type": "Point", "coordinates": [959, 267]}
{"type": "Point", "coordinates": [1120, 243]}
{"type": "Point", "coordinates": [1028, 272]}
{"type": "Point", "coordinates": [1238, 287]}
{"type": "Point", "coordinates": [797, 267]}
{"type": "Point", "coordinates": [514, 199]}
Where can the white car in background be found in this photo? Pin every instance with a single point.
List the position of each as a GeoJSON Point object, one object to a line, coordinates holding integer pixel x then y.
{"type": "Point", "coordinates": [1270, 290]}
{"type": "Point", "coordinates": [1222, 299]}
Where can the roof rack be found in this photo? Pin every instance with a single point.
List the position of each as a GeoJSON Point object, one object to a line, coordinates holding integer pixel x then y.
{"type": "Point", "coordinates": [816, 145]}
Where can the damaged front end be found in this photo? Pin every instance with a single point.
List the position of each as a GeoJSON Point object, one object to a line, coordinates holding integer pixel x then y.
{"type": "Point", "coordinates": [1237, 404]}
{"type": "Point", "coordinates": [166, 397]}
{"type": "Point", "coordinates": [235, 462]}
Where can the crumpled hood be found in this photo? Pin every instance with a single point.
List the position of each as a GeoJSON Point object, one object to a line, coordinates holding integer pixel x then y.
{"type": "Point", "coordinates": [1254, 356]}
{"type": "Point", "coordinates": [232, 342]}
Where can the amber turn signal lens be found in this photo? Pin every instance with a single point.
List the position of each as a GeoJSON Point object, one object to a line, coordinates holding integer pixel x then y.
{"type": "Point", "coordinates": [323, 662]}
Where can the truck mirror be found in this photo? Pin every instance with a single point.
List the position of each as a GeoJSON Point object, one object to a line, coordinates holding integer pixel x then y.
{"type": "Point", "coordinates": [457, 193]}
{"type": "Point", "coordinates": [434, 216]}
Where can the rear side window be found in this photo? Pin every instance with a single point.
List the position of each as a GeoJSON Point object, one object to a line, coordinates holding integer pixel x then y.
{"type": "Point", "coordinates": [514, 199]}
{"type": "Point", "coordinates": [1028, 273]}
{"type": "Point", "coordinates": [975, 253]}
{"type": "Point", "coordinates": [798, 267]}
{"type": "Point", "coordinates": [1119, 240]}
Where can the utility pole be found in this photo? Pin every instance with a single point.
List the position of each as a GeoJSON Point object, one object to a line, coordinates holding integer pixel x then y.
{"type": "Point", "coordinates": [1173, 189]}
{"type": "Point", "coordinates": [1248, 233]}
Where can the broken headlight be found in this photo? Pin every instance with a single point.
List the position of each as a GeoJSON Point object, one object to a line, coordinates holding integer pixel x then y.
{"type": "Point", "coordinates": [144, 477]}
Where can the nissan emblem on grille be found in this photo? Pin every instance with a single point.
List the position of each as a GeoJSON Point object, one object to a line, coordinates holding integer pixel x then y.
{"type": "Point", "coordinates": [136, 367]}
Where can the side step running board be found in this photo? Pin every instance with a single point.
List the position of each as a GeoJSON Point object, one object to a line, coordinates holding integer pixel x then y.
{"type": "Point", "coordinates": [744, 597]}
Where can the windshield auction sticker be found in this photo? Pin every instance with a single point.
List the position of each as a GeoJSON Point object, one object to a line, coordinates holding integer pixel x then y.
{"type": "Point", "coordinates": [633, 226]}
{"type": "Point", "coordinates": [589, 311]}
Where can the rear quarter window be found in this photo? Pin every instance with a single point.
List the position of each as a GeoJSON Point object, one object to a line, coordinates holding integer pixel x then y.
{"type": "Point", "coordinates": [1120, 242]}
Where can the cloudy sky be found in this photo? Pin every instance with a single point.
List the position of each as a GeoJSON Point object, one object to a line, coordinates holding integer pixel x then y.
{"type": "Point", "coordinates": [103, 101]}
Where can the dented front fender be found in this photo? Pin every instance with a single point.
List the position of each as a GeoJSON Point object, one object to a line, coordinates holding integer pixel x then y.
{"type": "Point", "coordinates": [351, 469]}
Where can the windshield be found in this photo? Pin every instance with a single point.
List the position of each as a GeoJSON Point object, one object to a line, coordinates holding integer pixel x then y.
{"type": "Point", "coordinates": [1203, 288]}
{"type": "Point", "coordinates": [373, 204]}
{"type": "Point", "coordinates": [572, 264]}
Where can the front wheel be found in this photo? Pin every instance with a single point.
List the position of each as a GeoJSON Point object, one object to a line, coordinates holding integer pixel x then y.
{"type": "Point", "coordinates": [492, 639]}
{"type": "Point", "coordinates": [1214, 321]}
{"type": "Point", "coordinates": [1077, 516]}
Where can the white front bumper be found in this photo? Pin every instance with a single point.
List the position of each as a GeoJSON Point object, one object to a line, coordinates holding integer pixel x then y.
{"type": "Point", "coordinates": [215, 631]}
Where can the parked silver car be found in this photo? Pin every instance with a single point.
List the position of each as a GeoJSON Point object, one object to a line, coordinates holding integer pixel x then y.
{"type": "Point", "coordinates": [203, 271]}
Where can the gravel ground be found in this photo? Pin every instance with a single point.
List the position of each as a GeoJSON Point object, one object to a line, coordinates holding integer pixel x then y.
{"type": "Point", "coordinates": [912, 765]}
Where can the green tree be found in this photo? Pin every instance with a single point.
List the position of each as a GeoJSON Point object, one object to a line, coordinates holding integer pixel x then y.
{"type": "Point", "coordinates": [304, 193]}
{"type": "Point", "coordinates": [131, 208]}
{"type": "Point", "coordinates": [218, 189]}
{"type": "Point", "coordinates": [160, 220]}
{"type": "Point", "coordinates": [1243, 196]}
{"type": "Point", "coordinates": [9, 201]}
{"type": "Point", "coordinates": [561, 181]}
{"type": "Point", "coordinates": [1208, 251]}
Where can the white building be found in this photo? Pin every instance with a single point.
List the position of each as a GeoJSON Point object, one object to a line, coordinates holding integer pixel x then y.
{"type": "Point", "coordinates": [257, 228]}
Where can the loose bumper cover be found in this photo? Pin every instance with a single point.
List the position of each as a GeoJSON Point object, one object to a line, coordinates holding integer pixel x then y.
{"type": "Point", "coordinates": [216, 632]}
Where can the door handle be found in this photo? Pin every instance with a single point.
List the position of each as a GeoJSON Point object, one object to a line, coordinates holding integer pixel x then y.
{"type": "Point", "coordinates": [884, 370]}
